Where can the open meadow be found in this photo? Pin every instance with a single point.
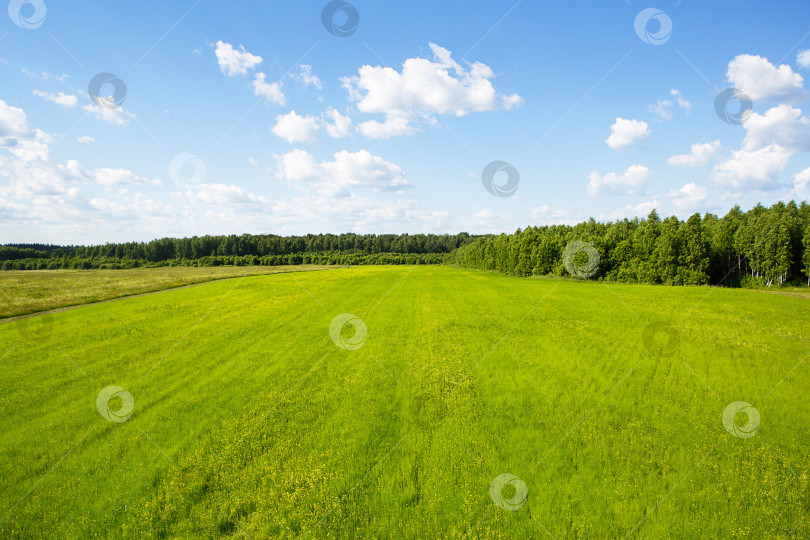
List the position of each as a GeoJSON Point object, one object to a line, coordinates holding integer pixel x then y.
{"type": "Point", "coordinates": [23, 292]}
{"type": "Point", "coordinates": [415, 402]}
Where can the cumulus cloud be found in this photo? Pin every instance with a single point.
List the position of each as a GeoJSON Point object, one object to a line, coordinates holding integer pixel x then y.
{"type": "Point", "coordinates": [340, 125]}
{"type": "Point", "coordinates": [625, 132]}
{"type": "Point", "coordinates": [234, 62]}
{"type": "Point", "coordinates": [689, 198]}
{"type": "Point", "coordinates": [67, 101]}
{"type": "Point", "coordinates": [26, 162]}
{"type": "Point", "coordinates": [801, 184]}
{"type": "Point", "coordinates": [271, 91]}
{"type": "Point", "coordinates": [348, 171]}
{"type": "Point", "coordinates": [392, 127]}
{"type": "Point", "coordinates": [752, 170]}
{"type": "Point", "coordinates": [60, 197]}
{"type": "Point", "coordinates": [13, 121]}
{"type": "Point", "coordinates": [803, 59]}
{"type": "Point", "coordinates": [762, 81]}
{"type": "Point", "coordinates": [424, 88]}
{"type": "Point", "coordinates": [771, 140]}
{"type": "Point", "coordinates": [295, 128]}
{"type": "Point", "coordinates": [85, 139]}
{"type": "Point", "coordinates": [782, 125]}
{"type": "Point", "coordinates": [631, 182]}
{"type": "Point", "coordinates": [700, 155]}
{"type": "Point", "coordinates": [117, 117]}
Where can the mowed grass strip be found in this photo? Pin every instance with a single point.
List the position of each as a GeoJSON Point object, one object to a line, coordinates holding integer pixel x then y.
{"type": "Point", "coordinates": [31, 291]}
{"type": "Point", "coordinates": [249, 420]}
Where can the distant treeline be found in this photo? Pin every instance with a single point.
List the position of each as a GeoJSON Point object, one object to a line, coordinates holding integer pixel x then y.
{"type": "Point", "coordinates": [763, 246]}
{"type": "Point", "coordinates": [244, 250]}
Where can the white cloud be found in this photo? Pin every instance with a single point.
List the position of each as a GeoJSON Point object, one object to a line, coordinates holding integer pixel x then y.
{"type": "Point", "coordinates": [85, 139]}
{"type": "Point", "coordinates": [67, 101]}
{"type": "Point", "coordinates": [625, 132]}
{"type": "Point", "coordinates": [700, 155]}
{"type": "Point", "coordinates": [271, 91]}
{"type": "Point", "coordinates": [234, 62]}
{"type": "Point", "coordinates": [355, 213]}
{"type": "Point", "coordinates": [222, 194]}
{"type": "Point", "coordinates": [295, 128]}
{"type": "Point", "coordinates": [689, 198]}
{"type": "Point", "coordinates": [762, 81]}
{"type": "Point", "coordinates": [801, 184]}
{"type": "Point", "coordinates": [137, 208]}
{"type": "Point", "coordinates": [511, 101]}
{"type": "Point", "coordinates": [32, 174]}
{"type": "Point", "coordinates": [682, 102]}
{"type": "Point", "coordinates": [545, 215]}
{"type": "Point", "coordinates": [392, 127]}
{"type": "Point", "coordinates": [45, 76]}
{"type": "Point", "coordinates": [118, 116]}
{"type": "Point", "coordinates": [803, 59]}
{"type": "Point", "coordinates": [771, 140]}
{"type": "Point", "coordinates": [13, 212]}
{"type": "Point", "coordinates": [486, 220]}
{"type": "Point", "coordinates": [424, 88]}
{"type": "Point", "coordinates": [662, 107]}
{"type": "Point", "coordinates": [348, 170]}
{"type": "Point", "coordinates": [13, 121]}
{"type": "Point", "coordinates": [638, 210]}
{"type": "Point", "coordinates": [341, 125]}
{"type": "Point", "coordinates": [631, 182]}
{"type": "Point", "coordinates": [306, 77]}
{"type": "Point", "coordinates": [752, 170]}
{"type": "Point", "coordinates": [26, 164]}
{"type": "Point", "coordinates": [782, 125]}
{"type": "Point", "coordinates": [119, 177]}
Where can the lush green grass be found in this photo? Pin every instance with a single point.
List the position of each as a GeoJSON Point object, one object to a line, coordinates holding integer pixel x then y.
{"type": "Point", "coordinates": [31, 291]}
{"type": "Point", "coordinates": [248, 419]}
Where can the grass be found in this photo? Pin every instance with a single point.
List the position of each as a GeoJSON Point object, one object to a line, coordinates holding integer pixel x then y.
{"type": "Point", "coordinates": [249, 420]}
{"type": "Point", "coordinates": [23, 292]}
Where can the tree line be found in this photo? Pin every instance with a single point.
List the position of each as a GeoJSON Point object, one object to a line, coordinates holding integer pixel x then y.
{"type": "Point", "coordinates": [763, 246]}
{"type": "Point", "coordinates": [239, 250]}
{"type": "Point", "coordinates": [760, 247]}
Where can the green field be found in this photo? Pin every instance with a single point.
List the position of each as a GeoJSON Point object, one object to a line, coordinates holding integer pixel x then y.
{"type": "Point", "coordinates": [23, 292]}
{"type": "Point", "coordinates": [605, 401]}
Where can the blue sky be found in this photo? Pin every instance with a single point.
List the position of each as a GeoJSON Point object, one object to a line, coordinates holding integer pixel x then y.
{"type": "Point", "coordinates": [395, 122]}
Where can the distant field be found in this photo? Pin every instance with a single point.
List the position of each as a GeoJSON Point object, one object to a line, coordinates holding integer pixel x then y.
{"type": "Point", "coordinates": [250, 419]}
{"type": "Point", "coordinates": [30, 291]}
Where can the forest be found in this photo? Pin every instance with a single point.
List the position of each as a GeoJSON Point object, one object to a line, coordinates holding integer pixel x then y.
{"type": "Point", "coordinates": [239, 250]}
{"type": "Point", "coordinates": [764, 247]}
{"type": "Point", "coordinates": [760, 247]}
